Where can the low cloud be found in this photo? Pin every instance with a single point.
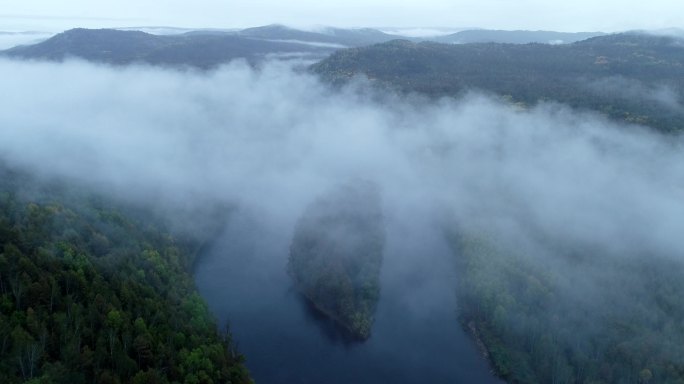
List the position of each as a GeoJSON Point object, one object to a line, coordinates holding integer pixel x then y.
{"type": "Point", "coordinates": [662, 95]}
{"type": "Point", "coordinates": [12, 39]}
{"type": "Point", "coordinates": [271, 140]}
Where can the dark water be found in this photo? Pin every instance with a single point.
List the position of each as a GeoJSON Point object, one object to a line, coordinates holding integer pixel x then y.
{"type": "Point", "coordinates": [416, 337]}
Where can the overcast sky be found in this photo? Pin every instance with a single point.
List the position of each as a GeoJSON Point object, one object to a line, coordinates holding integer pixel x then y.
{"type": "Point", "coordinates": [604, 15]}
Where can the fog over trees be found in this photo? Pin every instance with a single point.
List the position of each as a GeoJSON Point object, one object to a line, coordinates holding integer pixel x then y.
{"type": "Point", "coordinates": [564, 221]}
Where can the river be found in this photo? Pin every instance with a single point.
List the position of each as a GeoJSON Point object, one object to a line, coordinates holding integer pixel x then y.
{"type": "Point", "coordinates": [416, 336]}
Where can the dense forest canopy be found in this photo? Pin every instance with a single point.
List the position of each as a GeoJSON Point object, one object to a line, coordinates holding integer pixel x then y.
{"type": "Point", "coordinates": [573, 314]}
{"type": "Point", "coordinates": [88, 294]}
{"type": "Point", "coordinates": [631, 77]}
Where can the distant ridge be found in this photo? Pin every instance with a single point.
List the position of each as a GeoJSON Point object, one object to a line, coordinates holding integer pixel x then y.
{"type": "Point", "coordinates": [514, 37]}
{"type": "Point", "coordinates": [346, 37]}
{"type": "Point", "coordinates": [210, 47]}
{"type": "Point", "coordinates": [204, 50]}
{"type": "Point", "coordinates": [637, 78]}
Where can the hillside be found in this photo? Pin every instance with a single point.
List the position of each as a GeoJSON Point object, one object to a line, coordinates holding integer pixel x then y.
{"type": "Point", "coordinates": [89, 294]}
{"type": "Point", "coordinates": [203, 50]}
{"type": "Point", "coordinates": [525, 311]}
{"type": "Point", "coordinates": [630, 77]}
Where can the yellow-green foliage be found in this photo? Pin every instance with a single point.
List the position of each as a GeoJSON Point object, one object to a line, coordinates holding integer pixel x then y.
{"type": "Point", "coordinates": [89, 296]}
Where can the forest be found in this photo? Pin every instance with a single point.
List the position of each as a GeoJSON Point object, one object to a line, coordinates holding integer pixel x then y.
{"type": "Point", "coordinates": [629, 77]}
{"type": "Point", "coordinates": [93, 291]}
{"type": "Point", "coordinates": [524, 309]}
{"type": "Point", "coordinates": [568, 312]}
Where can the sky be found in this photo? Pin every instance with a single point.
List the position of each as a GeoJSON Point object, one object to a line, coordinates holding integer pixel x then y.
{"type": "Point", "coordinates": [578, 15]}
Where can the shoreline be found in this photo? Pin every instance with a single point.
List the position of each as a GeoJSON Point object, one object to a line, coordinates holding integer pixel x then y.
{"type": "Point", "coordinates": [481, 346]}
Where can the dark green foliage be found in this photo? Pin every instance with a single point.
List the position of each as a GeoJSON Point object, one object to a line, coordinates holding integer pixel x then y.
{"type": "Point", "coordinates": [529, 73]}
{"type": "Point", "coordinates": [541, 322]}
{"type": "Point", "coordinates": [336, 255]}
{"type": "Point", "coordinates": [87, 295]}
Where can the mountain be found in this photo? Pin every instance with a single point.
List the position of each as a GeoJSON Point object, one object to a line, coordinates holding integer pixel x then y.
{"type": "Point", "coordinates": [514, 37]}
{"type": "Point", "coordinates": [632, 77]}
{"type": "Point", "coordinates": [204, 50]}
{"type": "Point", "coordinates": [201, 48]}
{"type": "Point", "coordinates": [635, 77]}
{"type": "Point", "coordinates": [630, 334]}
{"type": "Point", "coordinates": [334, 36]}
{"type": "Point", "coordinates": [367, 36]}
{"type": "Point", "coordinates": [209, 48]}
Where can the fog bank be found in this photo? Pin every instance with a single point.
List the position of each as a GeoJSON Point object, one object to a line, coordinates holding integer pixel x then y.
{"type": "Point", "coordinates": [271, 140]}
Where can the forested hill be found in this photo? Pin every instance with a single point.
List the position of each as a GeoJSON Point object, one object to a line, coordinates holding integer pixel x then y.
{"type": "Point", "coordinates": [526, 311]}
{"type": "Point", "coordinates": [208, 48]}
{"type": "Point", "coordinates": [336, 36]}
{"type": "Point", "coordinates": [632, 77]}
{"type": "Point", "coordinates": [89, 295]}
{"type": "Point", "coordinates": [203, 50]}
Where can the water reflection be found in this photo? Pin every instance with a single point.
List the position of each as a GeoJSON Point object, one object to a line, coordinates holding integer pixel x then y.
{"type": "Point", "coordinates": [416, 336]}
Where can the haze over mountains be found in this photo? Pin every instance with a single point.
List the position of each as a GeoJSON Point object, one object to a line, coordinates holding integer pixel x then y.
{"type": "Point", "coordinates": [202, 50]}
{"type": "Point", "coordinates": [514, 37]}
{"type": "Point", "coordinates": [210, 47]}
{"type": "Point", "coordinates": [634, 77]}
{"type": "Point", "coordinates": [9, 39]}
{"type": "Point", "coordinates": [531, 181]}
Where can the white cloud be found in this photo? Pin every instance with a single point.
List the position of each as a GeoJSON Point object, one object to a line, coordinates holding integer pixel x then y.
{"type": "Point", "coordinates": [272, 140]}
{"type": "Point", "coordinates": [12, 39]}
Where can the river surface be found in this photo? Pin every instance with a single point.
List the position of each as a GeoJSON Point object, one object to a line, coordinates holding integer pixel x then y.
{"type": "Point", "coordinates": [416, 337]}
